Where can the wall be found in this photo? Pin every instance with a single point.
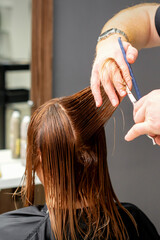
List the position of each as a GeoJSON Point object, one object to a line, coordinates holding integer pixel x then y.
{"type": "Point", "coordinates": [135, 166]}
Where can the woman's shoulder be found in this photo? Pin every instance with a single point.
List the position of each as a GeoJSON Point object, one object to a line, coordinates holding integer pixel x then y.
{"type": "Point", "coordinates": [25, 223]}
{"type": "Point", "coordinates": [146, 229]}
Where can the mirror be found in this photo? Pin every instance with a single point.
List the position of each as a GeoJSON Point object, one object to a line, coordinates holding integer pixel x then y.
{"type": "Point", "coordinates": [15, 55]}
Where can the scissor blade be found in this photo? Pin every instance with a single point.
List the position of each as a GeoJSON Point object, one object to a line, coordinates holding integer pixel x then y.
{"type": "Point", "coordinates": [130, 95]}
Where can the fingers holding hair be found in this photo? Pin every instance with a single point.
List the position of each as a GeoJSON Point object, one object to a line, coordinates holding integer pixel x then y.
{"type": "Point", "coordinates": [112, 80]}
{"type": "Point", "coordinates": [95, 85]}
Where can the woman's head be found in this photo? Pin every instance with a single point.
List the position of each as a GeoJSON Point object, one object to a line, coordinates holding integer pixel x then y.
{"type": "Point", "coordinates": [66, 141]}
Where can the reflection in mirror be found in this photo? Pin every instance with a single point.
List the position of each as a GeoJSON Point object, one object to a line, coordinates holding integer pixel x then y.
{"type": "Point", "coordinates": [15, 54]}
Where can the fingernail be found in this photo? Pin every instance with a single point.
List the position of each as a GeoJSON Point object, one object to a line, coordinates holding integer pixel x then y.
{"type": "Point", "coordinates": [130, 56]}
{"type": "Point", "coordinates": [114, 102]}
{"type": "Point", "coordinates": [97, 104]}
{"type": "Point", "coordinates": [126, 137]}
{"type": "Point", "coordinates": [122, 93]}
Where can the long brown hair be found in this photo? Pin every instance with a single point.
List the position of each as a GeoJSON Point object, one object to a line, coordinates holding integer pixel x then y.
{"type": "Point", "coordinates": [68, 135]}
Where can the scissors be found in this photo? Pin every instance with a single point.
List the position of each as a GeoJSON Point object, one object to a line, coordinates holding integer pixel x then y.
{"type": "Point", "coordinates": [129, 93]}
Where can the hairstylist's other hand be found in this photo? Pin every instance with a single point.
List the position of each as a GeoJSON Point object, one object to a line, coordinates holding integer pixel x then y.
{"type": "Point", "coordinates": [147, 117]}
{"type": "Point", "coordinates": [112, 73]}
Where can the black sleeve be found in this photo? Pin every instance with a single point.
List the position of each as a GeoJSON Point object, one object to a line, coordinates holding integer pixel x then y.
{"type": "Point", "coordinates": [157, 20]}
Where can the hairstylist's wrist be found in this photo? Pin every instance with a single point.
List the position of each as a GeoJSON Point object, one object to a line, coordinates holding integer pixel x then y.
{"type": "Point", "coordinates": [110, 32]}
{"type": "Point", "coordinates": [110, 40]}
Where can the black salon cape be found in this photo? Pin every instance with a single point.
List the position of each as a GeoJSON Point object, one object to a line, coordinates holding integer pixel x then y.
{"type": "Point", "coordinates": [32, 223]}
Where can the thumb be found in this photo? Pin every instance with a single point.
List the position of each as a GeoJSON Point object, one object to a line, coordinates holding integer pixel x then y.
{"type": "Point", "coordinates": [131, 54]}
{"type": "Point", "coordinates": [136, 131]}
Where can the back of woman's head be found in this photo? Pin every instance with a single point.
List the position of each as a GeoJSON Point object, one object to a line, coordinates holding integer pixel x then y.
{"type": "Point", "coordinates": [66, 139]}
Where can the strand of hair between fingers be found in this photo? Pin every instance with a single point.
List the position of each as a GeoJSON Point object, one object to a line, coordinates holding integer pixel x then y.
{"type": "Point", "coordinates": [112, 65]}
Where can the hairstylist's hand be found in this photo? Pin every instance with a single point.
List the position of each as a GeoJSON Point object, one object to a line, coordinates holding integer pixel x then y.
{"type": "Point", "coordinates": [147, 117]}
{"type": "Point", "coordinates": [110, 69]}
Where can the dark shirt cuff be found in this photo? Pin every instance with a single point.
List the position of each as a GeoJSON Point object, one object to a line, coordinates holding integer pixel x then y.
{"type": "Point", "coordinates": [157, 20]}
